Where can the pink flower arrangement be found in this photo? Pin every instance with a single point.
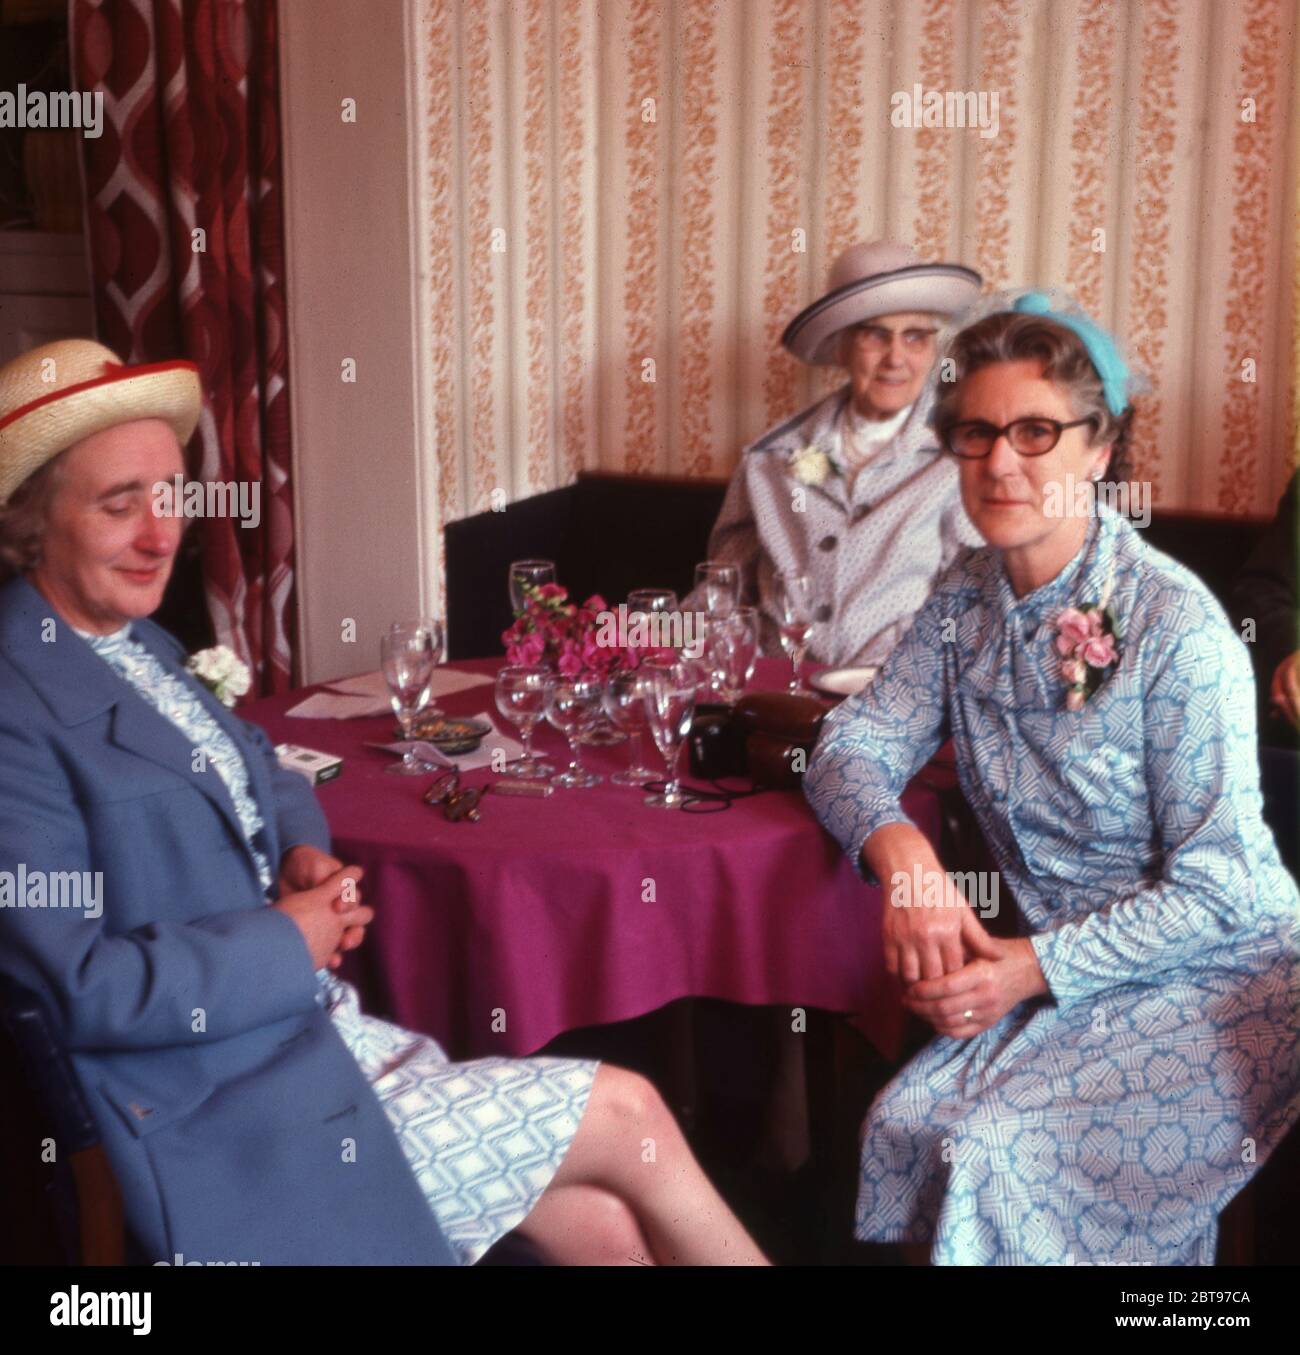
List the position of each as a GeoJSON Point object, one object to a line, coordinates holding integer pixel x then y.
{"type": "Point", "coordinates": [1086, 644]}
{"type": "Point", "coordinates": [553, 630]}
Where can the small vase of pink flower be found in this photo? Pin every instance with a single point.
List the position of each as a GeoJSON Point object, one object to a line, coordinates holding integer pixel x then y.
{"type": "Point", "coordinates": [555, 633]}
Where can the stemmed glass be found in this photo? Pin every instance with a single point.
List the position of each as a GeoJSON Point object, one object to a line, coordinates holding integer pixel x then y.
{"type": "Point", "coordinates": [431, 710]}
{"type": "Point", "coordinates": [721, 585]}
{"type": "Point", "coordinates": [625, 694]}
{"type": "Point", "coordinates": [532, 573]}
{"type": "Point", "coordinates": [572, 703]}
{"type": "Point", "coordinates": [521, 698]}
{"type": "Point", "coordinates": [651, 600]}
{"type": "Point", "coordinates": [645, 602]}
{"type": "Point", "coordinates": [604, 729]}
{"type": "Point", "coordinates": [670, 711]}
{"type": "Point", "coordinates": [407, 655]}
{"type": "Point", "coordinates": [795, 621]}
{"type": "Point", "coordinates": [730, 651]}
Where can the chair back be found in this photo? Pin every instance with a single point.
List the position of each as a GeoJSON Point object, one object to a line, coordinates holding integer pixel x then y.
{"type": "Point", "coordinates": [609, 533]}
{"type": "Point", "coordinates": [67, 1208]}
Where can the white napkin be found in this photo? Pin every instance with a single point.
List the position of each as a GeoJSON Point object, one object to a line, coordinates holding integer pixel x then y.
{"type": "Point", "coordinates": [445, 682]}
{"type": "Point", "coordinates": [367, 694]}
{"type": "Point", "coordinates": [481, 757]}
{"type": "Point", "coordinates": [328, 706]}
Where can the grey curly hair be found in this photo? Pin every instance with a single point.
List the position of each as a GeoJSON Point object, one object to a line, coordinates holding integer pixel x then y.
{"type": "Point", "coordinates": [1013, 336]}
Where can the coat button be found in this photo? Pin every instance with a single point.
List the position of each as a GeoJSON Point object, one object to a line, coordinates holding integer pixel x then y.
{"type": "Point", "coordinates": [823, 613]}
{"type": "Point", "coordinates": [860, 513]}
{"type": "Point", "coordinates": [828, 542]}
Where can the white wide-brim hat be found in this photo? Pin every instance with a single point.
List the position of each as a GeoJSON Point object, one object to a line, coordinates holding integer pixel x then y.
{"type": "Point", "coordinates": [59, 393]}
{"type": "Point", "coordinates": [874, 278]}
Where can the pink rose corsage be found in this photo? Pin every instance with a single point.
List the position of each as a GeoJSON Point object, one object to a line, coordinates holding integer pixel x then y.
{"type": "Point", "coordinates": [1087, 644]}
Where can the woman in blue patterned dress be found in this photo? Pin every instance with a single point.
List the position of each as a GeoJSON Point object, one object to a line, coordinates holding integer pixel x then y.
{"type": "Point", "coordinates": [250, 1110]}
{"type": "Point", "coordinates": [1101, 1085]}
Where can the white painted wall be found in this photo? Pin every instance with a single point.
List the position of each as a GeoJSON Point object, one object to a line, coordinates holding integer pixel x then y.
{"type": "Point", "coordinates": [359, 487]}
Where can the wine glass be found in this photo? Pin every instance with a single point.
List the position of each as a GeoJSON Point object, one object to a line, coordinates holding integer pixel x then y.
{"type": "Point", "coordinates": [651, 600]}
{"type": "Point", "coordinates": [528, 573]}
{"type": "Point", "coordinates": [431, 710]}
{"type": "Point", "coordinates": [794, 621]}
{"type": "Point", "coordinates": [407, 658]}
{"type": "Point", "coordinates": [625, 694]}
{"type": "Point", "coordinates": [730, 651]}
{"type": "Point", "coordinates": [602, 732]}
{"type": "Point", "coordinates": [521, 698]}
{"type": "Point", "coordinates": [645, 603]}
{"type": "Point", "coordinates": [572, 703]}
{"type": "Point", "coordinates": [721, 585]}
{"type": "Point", "coordinates": [670, 711]}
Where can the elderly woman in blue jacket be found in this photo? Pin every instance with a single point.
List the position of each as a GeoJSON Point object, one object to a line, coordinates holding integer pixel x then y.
{"type": "Point", "coordinates": [1101, 1084]}
{"type": "Point", "coordinates": [169, 891]}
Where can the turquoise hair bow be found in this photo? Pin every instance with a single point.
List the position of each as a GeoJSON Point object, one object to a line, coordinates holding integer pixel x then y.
{"type": "Point", "coordinates": [1101, 347]}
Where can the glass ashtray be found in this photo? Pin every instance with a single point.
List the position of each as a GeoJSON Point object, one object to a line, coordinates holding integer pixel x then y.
{"type": "Point", "coordinates": [448, 734]}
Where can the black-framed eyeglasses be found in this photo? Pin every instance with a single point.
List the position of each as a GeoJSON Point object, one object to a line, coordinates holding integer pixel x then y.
{"type": "Point", "coordinates": [973, 439]}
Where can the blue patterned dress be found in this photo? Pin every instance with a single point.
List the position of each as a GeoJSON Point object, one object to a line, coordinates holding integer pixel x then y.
{"type": "Point", "coordinates": [483, 1138]}
{"type": "Point", "coordinates": [1113, 1120]}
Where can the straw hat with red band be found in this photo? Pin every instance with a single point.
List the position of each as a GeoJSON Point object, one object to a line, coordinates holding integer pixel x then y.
{"type": "Point", "coordinates": [59, 393]}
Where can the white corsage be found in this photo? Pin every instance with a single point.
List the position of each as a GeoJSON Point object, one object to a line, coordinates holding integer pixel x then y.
{"type": "Point", "coordinates": [812, 466]}
{"type": "Point", "coordinates": [222, 671]}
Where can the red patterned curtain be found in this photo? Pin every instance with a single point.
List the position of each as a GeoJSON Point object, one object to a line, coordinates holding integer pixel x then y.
{"type": "Point", "coordinates": [183, 199]}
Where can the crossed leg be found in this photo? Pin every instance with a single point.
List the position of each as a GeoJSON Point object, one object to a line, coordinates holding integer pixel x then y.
{"type": "Point", "coordinates": [630, 1190]}
{"type": "Point", "coordinates": [586, 1226]}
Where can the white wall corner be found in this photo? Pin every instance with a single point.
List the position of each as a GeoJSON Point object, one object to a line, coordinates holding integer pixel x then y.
{"type": "Point", "coordinates": [353, 290]}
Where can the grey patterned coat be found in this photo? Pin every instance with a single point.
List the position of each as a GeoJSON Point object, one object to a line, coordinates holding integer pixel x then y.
{"type": "Point", "coordinates": [873, 555]}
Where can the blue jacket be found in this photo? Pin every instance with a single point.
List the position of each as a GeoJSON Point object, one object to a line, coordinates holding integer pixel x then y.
{"type": "Point", "coordinates": [238, 1124]}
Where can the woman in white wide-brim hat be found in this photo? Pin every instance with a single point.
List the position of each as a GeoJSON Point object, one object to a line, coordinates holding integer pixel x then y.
{"type": "Point", "coordinates": [852, 492]}
{"type": "Point", "coordinates": [249, 1108]}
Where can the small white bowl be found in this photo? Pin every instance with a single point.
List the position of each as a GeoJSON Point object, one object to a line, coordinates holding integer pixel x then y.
{"type": "Point", "coordinates": [844, 681]}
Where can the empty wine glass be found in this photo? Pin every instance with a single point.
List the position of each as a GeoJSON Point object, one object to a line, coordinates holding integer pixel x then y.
{"type": "Point", "coordinates": [530, 574]}
{"type": "Point", "coordinates": [602, 733]}
{"type": "Point", "coordinates": [521, 698]}
{"type": "Point", "coordinates": [431, 710]}
{"type": "Point", "coordinates": [572, 703]}
{"type": "Point", "coordinates": [651, 600]}
{"type": "Point", "coordinates": [730, 651]}
{"type": "Point", "coordinates": [407, 658]}
{"type": "Point", "coordinates": [625, 693]}
{"type": "Point", "coordinates": [670, 711]}
{"type": "Point", "coordinates": [794, 621]}
{"type": "Point", "coordinates": [721, 586]}
{"type": "Point", "coordinates": [648, 617]}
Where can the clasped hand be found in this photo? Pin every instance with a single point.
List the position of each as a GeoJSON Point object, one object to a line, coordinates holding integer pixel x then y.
{"type": "Point", "coordinates": [956, 977]}
{"type": "Point", "coordinates": [315, 892]}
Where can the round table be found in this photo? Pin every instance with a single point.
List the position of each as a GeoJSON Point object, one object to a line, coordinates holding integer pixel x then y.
{"type": "Point", "coordinates": [588, 907]}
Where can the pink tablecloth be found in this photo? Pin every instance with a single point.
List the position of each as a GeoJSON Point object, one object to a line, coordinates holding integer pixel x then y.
{"type": "Point", "coordinates": [588, 907]}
